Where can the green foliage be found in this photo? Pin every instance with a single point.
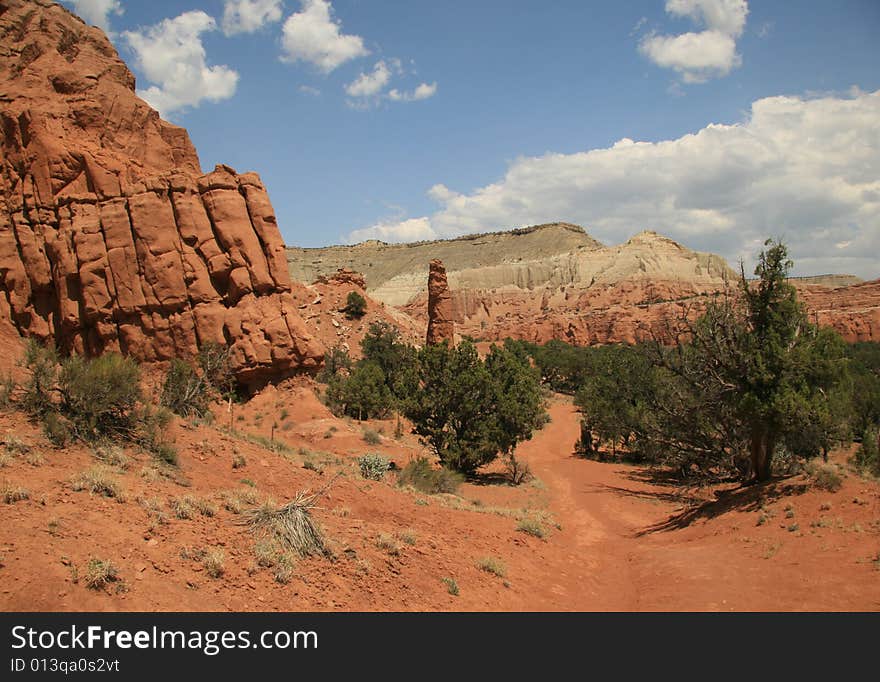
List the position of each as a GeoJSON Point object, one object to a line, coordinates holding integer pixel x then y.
{"type": "Point", "coordinates": [99, 396]}
{"type": "Point", "coordinates": [453, 410]}
{"type": "Point", "coordinates": [469, 411]}
{"type": "Point", "coordinates": [336, 361]}
{"type": "Point", "coordinates": [373, 466]}
{"type": "Point", "coordinates": [398, 361]}
{"type": "Point", "coordinates": [419, 474]}
{"type": "Point", "coordinates": [363, 394]}
{"type": "Point", "coordinates": [750, 376]}
{"type": "Point", "coordinates": [868, 454]}
{"type": "Point", "coordinates": [185, 392]}
{"type": "Point", "coordinates": [355, 305]}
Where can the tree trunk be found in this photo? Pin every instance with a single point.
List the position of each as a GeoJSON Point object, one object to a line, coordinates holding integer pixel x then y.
{"type": "Point", "coordinates": [762, 446]}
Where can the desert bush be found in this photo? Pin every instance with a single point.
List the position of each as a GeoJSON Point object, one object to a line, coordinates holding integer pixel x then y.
{"type": "Point", "coordinates": [868, 454]}
{"type": "Point", "coordinates": [112, 455]}
{"type": "Point", "coordinates": [419, 474]}
{"type": "Point", "coordinates": [41, 363]}
{"type": "Point", "coordinates": [373, 466]}
{"type": "Point", "coordinates": [57, 429]}
{"type": "Point", "coordinates": [185, 392]}
{"type": "Point", "coordinates": [355, 305]}
{"type": "Point", "coordinates": [99, 396]}
{"type": "Point", "coordinates": [371, 437]}
{"type": "Point", "coordinates": [825, 476]}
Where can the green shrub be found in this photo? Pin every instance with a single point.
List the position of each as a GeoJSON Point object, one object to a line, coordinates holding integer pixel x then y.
{"type": "Point", "coordinates": [99, 396]}
{"type": "Point", "coordinates": [451, 586]}
{"type": "Point", "coordinates": [373, 466]}
{"type": "Point", "coordinates": [7, 392]}
{"type": "Point", "coordinates": [423, 477]}
{"type": "Point", "coordinates": [868, 454]}
{"type": "Point", "coordinates": [355, 305]}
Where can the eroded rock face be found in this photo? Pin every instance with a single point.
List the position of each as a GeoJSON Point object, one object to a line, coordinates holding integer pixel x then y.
{"type": "Point", "coordinates": [111, 239]}
{"type": "Point", "coordinates": [440, 314]}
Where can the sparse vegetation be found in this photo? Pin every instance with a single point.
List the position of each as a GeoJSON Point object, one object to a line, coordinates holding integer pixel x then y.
{"type": "Point", "coordinates": [214, 563]}
{"type": "Point", "coordinates": [825, 476]}
{"type": "Point", "coordinates": [100, 573]}
{"type": "Point", "coordinates": [238, 461]}
{"type": "Point", "coordinates": [291, 525]}
{"type": "Point", "coordinates": [99, 480]}
{"type": "Point", "coordinates": [408, 536]}
{"type": "Point", "coordinates": [451, 586]}
{"type": "Point", "coordinates": [492, 565]}
{"type": "Point", "coordinates": [371, 437]}
{"type": "Point", "coordinates": [14, 493]}
{"type": "Point", "coordinates": [388, 544]}
{"type": "Point", "coordinates": [532, 527]}
{"type": "Point", "coordinates": [419, 474]}
{"type": "Point", "coordinates": [373, 466]}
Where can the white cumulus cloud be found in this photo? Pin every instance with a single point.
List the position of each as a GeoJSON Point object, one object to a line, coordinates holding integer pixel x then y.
{"type": "Point", "coordinates": [249, 16]}
{"type": "Point", "coordinates": [700, 56]}
{"type": "Point", "coordinates": [806, 170]}
{"type": "Point", "coordinates": [412, 230]}
{"type": "Point", "coordinates": [314, 36]}
{"type": "Point", "coordinates": [370, 84]}
{"type": "Point", "coordinates": [172, 57]}
{"type": "Point", "coordinates": [96, 12]}
{"type": "Point", "coordinates": [423, 91]}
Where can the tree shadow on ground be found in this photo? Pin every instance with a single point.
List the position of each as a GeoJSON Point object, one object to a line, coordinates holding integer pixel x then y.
{"type": "Point", "coordinates": [489, 478]}
{"type": "Point", "coordinates": [742, 498]}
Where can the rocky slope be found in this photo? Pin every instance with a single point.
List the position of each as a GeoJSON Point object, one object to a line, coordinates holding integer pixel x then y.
{"type": "Point", "coordinates": [110, 236]}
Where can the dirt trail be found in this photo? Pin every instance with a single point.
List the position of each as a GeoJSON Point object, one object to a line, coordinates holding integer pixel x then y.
{"type": "Point", "coordinates": [598, 532]}
{"type": "Point", "coordinates": [618, 550]}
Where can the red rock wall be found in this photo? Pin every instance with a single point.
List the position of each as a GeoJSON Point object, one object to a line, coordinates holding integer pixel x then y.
{"type": "Point", "coordinates": [111, 239]}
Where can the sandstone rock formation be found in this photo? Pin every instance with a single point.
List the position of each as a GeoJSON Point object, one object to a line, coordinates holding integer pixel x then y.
{"type": "Point", "coordinates": [555, 282]}
{"type": "Point", "coordinates": [440, 315]}
{"type": "Point", "coordinates": [111, 239]}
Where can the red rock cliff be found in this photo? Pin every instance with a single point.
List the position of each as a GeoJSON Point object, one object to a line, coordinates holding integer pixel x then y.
{"type": "Point", "coordinates": [111, 239]}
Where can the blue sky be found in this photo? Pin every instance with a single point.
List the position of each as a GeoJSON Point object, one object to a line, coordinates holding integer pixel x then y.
{"type": "Point", "coordinates": [717, 122]}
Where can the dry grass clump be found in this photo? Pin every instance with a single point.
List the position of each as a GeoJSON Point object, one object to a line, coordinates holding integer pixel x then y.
{"type": "Point", "coordinates": [13, 494]}
{"type": "Point", "coordinates": [493, 566]}
{"type": "Point", "coordinates": [188, 506]}
{"type": "Point", "coordinates": [291, 525]}
{"type": "Point", "coordinates": [214, 563]}
{"type": "Point", "coordinates": [532, 527]}
{"type": "Point", "coordinates": [236, 501]}
{"type": "Point", "coordinates": [100, 573]}
{"type": "Point", "coordinates": [99, 481]}
{"type": "Point", "coordinates": [112, 455]}
{"type": "Point", "coordinates": [388, 544]}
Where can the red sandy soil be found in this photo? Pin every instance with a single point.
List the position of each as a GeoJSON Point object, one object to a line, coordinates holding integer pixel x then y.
{"type": "Point", "coordinates": [624, 542]}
